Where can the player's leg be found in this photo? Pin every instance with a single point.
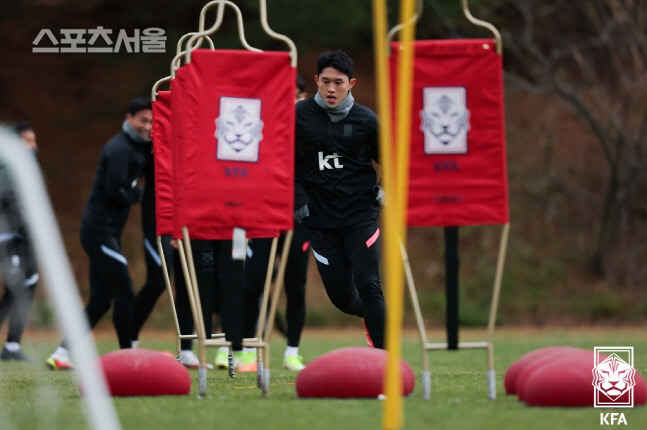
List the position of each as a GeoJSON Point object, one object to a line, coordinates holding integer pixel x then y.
{"type": "Point", "coordinates": [109, 280]}
{"type": "Point", "coordinates": [20, 277]}
{"type": "Point", "coordinates": [155, 285]}
{"type": "Point", "coordinates": [295, 291]}
{"type": "Point", "coordinates": [17, 322]}
{"type": "Point", "coordinates": [24, 292]}
{"type": "Point", "coordinates": [255, 272]}
{"type": "Point", "coordinates": [101, 294]}
{"type": "Point", "coordinates": [232, 298]}
{"type": "Point", "coordinates": [206, 271]}
{"type": "Point", "coordinates": [362, 246]}
{"type": "Point", "coordinates": [184, 315]}
{"type": "Point", "coordinates": [335, 271]}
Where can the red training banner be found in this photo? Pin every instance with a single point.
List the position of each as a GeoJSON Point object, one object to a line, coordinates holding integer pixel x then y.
{"type": "Point", "coordinates": [161, 136]}
{"type": "Point", "coordinates": [177, 139]}
{"type": "Point", "coordinates": [233, 146]}
{"type": "Point", "coordinates": [458, 172]}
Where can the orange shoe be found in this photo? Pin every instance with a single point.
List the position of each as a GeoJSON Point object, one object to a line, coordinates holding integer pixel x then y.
{"type": "Point", "coordinates": [53, 364]}
{"type": "Point", "coordinates": [249, 367]}
{"type": "Point", "coordinates": [245, 361]}
{"type": "Point", "coordinates": [369, 341]}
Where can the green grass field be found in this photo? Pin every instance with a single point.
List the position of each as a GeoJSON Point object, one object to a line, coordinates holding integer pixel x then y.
{"type": "Point", "coordinates": [32, 397]}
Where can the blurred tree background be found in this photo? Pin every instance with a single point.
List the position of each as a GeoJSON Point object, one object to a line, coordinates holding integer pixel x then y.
{"type": "Point", "coordinates": [575, 108]}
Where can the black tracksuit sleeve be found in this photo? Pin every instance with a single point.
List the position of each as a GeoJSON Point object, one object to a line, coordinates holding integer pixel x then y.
{"type": "Point", "coordinates": [375, 147]}
{"type": "Point", "coordinates": [300, 195]}
{"type": "Point", "coordinates": [119, 189]}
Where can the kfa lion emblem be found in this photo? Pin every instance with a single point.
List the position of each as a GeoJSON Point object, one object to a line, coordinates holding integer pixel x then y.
{"type": "Point", "coordinates": [444, 119]}
{"type": "Point", "coordinates": [239, 128]}
{"type": "Point", "coordinates": [613, 377]}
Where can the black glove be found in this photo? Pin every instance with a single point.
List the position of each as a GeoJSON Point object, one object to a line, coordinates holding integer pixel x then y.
{"type": "Point", "coordinates": [380, 196]}
{"type": "Point", "coordinates": [133, 195]}
{"type": "Point", "coordinates": [138, 193]}
{"type": "Point", "coordinates": [301, 214]}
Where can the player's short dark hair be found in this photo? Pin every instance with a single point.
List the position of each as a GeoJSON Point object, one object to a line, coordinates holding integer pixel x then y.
{"type": "Point", "coordinates": [22, 126]}
{"type": "Point", "coordinates": [139, 103]}
{"type": "Point", "coordinates": [337, 60]}
{"type": "Point", "coordinates": [301, 84]}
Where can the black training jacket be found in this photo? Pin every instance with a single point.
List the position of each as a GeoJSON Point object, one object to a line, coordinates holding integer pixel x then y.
{"type": "Point", "coordinates": [148, 200]}
{"type": "Point", "coordinates": [11, 220]}
{"type": "Point", "coordinates": [114, 190]}
{"type": "Point", "coordinates": [334, 174]}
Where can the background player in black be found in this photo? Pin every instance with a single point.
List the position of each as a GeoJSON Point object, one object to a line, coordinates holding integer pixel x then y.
{"type": "Point", "coordinates": [114, 190]}
{"type": "Point", "coordinates": [335, 191]}
{"type": "Point", "coordinates": [19, 269]}
{"type": "Point", "coordinates": [258, 253]}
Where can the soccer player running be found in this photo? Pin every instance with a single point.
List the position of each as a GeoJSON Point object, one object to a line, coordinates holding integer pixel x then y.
{"type": "Point", "coordinates": [114, 190]}
{"type": "Point", "coordinates": [336, 195]}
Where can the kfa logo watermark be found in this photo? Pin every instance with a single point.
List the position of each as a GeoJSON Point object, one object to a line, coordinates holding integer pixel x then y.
{"type": "Point", "coordinates": [99, 40]}
{"type": "Point", "coordinates": [324, 162]}
{"type": "Point", "coordinates": [613, 381]}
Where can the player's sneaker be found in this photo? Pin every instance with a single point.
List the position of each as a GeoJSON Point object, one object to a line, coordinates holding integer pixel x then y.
{"type": "Point", "coordinates": [369, 341]}
{"type": "Point", "coordinates": [294, 362]}
{"type": "Point", "coordinates": [222, 359]}
{"type": "Point", "coordinates": [18, 355]}
{"type": "Point", "coordinates": [59, 360]}
{"type": "Point", "coordinates": [245, 361]}
{"type": "Point", "coordinates": [58, 364]}
{"type": "Point", "coordinates": [190, 360]}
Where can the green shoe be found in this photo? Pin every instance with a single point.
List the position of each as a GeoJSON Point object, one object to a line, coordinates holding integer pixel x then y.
{"type": "Point", "coordinates": [245, 361]}
{"type": "Point", "coordinates": [294, 362]}
{"type": "Point", "coordinates": [222, 359]}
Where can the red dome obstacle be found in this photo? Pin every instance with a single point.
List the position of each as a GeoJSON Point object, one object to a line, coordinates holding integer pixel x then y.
{"type": "Point", "coordinates": [522, 363]}
{"type": "Point", "coordinates": [349, 372]}
{"type": "Point", "coordinates": [144, 372]}
{"type": "Point", "coordinates": [560, 376]}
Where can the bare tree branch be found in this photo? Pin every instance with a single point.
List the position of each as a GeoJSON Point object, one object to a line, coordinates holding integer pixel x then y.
{"type": "Point", "coordinates": [597, 64]}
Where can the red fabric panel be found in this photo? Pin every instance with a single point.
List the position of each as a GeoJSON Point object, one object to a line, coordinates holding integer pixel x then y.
{"type": "Point", "coordinates": [178, 113]}
{"type": "Point", "coordinates": [222, 182]}
{"type": "Point", "coordinates": [457, 178]}
{"type": "Point", "coordinates": [178, 133]}
{"type": "Point", "coordinates": [161, 136]}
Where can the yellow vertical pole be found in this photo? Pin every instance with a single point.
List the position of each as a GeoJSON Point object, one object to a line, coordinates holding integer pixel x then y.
{"type": "Point", "coordinates": [395, 178]}
{"type": "Point", "coordinates": [392, 409]}
{"type": "Point", "coordinates": [396, 286]}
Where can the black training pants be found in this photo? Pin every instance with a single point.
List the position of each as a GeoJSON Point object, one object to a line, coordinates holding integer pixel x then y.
{"type": "Point", "coordinates": [296, 271]}
{"type": "Point", "coordinates": [348, 260]}
{"type": "Point", "coordinates": [220, 284]}
{"type": "Point", "coordinates": [109, 282]}
{"type": "Point", "coordinates": [19, 276]}
{"type": "Point", "coordinates": [155, 285]}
